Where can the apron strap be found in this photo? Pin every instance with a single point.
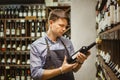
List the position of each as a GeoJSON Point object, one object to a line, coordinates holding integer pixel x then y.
{"type": "Point", "coordinates": [48, 48]}
{"type": "Point", "coordinates": [65, 48]}
{"type": "Point", "coordinates": [63, 45]}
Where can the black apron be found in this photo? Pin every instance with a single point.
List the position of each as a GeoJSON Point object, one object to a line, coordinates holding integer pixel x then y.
{"type": "Point", "coordinates": [54, 59]}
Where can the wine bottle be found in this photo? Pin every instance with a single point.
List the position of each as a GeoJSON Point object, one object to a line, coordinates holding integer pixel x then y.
{"type": "Point", "coordinates": [28, 74]}
{"type": "Point", "coordinates": [115, 69]}
{"type": "Point", "coordinates": [12, 74]}
{"type": "Point", "coordinates": [38, 29]}
{"type": "Point", "coordinates": [23, 60]}
{"type": "Point", "coordinates": [2, 73]}
{"type": "Point", "coordinates": [18, 60]}
{"type": "Point", "coordinates": [17, 74]}
{"type": "Point", "coordinates": [43, 12]}
{"type": "Point", "coordinates": [23, 28]}
{"type": "Point", "coordinates": [1, 30]}
{"type": "Point", "coordinates": [14, 47]}
{"type": "Point", "coordinates": [13, 59]}
{"type": "Point", "coordinates": [13, 29]}
{"type": "Point", "coordinates": [39, 15]}
{"type": "Point", "coordinates": [112, 9]}
{"type": "Point", "coordinates": [22, 74]}
{"type": "Point", "coordinates": [18, 29]}
{"type": "Point", "coordinates": [8, 59]}
{"type": "Point", "coordinates": [8, 28]}
{"type": "Point", "coordinates": [3, 47]}
{"type": "Point", "coordinates": [16, 12]}
{"type": "Point", "coordinates": [3, 61]}
{"type": "Point", "coordinates": [29, 11]}
{"type": "Point", "coordinates": [8, 77]}
{"type": "Point", "coordinates": [43, 27]}
{"type": "Point", "coordinates": [83, 50]}
{"type": "Point", "coordinates": [33, 30]}
{"type": "Point", "coordinates": [34, 11]}
{"type": "Point", "coordinates": [25, 11]}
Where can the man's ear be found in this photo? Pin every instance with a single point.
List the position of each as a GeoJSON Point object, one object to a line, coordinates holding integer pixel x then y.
{"type": "Point", "coordinates": [50, 22]}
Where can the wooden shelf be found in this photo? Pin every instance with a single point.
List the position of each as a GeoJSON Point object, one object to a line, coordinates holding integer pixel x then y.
{"type": "Point", "coordinates": [108, 71]}
{"type": "Point", "coordinates": [115, 28]}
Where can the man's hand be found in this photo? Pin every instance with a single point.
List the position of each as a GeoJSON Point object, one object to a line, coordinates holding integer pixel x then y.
{"type": "Point", "coordinates": [81, 57]}
{"type": "Point", "coordinates": [66, 67]}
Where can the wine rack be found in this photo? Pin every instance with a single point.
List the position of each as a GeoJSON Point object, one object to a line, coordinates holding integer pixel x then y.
{"type": "Point", "coordinates": [108, 29]}
{"type": "Point", "coordinates": [20, 25]}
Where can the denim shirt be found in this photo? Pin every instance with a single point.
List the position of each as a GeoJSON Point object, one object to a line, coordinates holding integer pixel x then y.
{"type": "Point", "coordinates": [38, 53]}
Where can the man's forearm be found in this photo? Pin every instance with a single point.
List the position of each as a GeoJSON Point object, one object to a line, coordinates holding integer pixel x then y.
{"type": "Point", "coordinates": [47, 74]}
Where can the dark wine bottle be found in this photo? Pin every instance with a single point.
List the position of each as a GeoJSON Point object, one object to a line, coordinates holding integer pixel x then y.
{"type": "Point", "coordinates": [83, 50]}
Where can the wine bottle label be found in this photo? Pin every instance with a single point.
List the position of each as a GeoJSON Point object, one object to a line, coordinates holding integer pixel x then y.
{"type": "Point", "coordinates": [9, 46]}
{"type": "Point", "coordinates": [28, 47]}
{"type": "Point", "coordinates": [3, 46]}
{"type": "Point", "coordinates": [25, 14]}
{"type": "Point", "coordinates": [13, 31]}
{"type": "Point", "coordinates": [29, 14]}
{"type": "Point", "coordinates": [22, 77]}
{"type": "Point", "coordinates": [3, 61]}
{"type": "Point", "coordinates": [9, 60]}
{"type": "Point", "coordinates": [39, 14]}
{"type": "Point", "coordinates": [23, 47]}
{"type": "Point", "coordinates": [28, 77]}
{"type": "Point", "coordinates": [23, 31]}
{"type": "Point", "coordinates": [28, 61]}
{"type": "Point", "coordinates": [118, 13]}
{"type": "Point", "coordinates": [112, 8]}
{"type": "Point", "coordinates": [74, 56]}
{"type": "Point", "coordinates": [2, 78]}
{"type": "Point", "coordinates": [17, 77]}
{"type": "Point", "coordinates": [43, 12]}
{"type": "Point", "coordinates": [107, 58]}
{"type": "Point", "coordinates": [7, 31]}
{"type": "Point", "coordinates": [18, 61]}
{"type": "Point", "coordinates": [38, 34]}
{"type": "Point", "coordinates": [14, 46]}
{"type": "Point", "coordinates": [20, 14]}
{"type": "Point", "coordinates": [14, 60]}
{"type": "Point", "coordinates": [23, 62]}
{"type": "Point", "coordinates": [12, 78]}
{"type": "Point", "coordinates": [115, 16]}
{"type": "Point", "coordinates": [34, 13]}
{"type": "Point", "coordinates": [32, 34]}
{"type": "Point", "coordinates": [18, 48]}
{"type": "Point", "coordinates": [1, 34]}
{"type": "Point", "coordinates": [18, 32]}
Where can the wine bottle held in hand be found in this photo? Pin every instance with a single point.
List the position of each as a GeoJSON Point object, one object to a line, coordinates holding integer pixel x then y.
{"type": "Point", "coordinates": [83, 50]}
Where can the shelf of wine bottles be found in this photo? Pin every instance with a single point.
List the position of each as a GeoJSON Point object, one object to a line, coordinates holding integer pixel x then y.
{"type": "Point", "coordinates": [108, 29]}
{"type": "Point", "coordinates": [20, 25]}
{"type": "Point", "coordinates": [21, 28]}
{"type": "Point", "coordinates": [107, 71]}
{"type": "Point", "coordinates": [21, 11]}
{"type": "Point", "coordinates": [15, 73]}
{"type": "Point", "coordinates": [107, 14]}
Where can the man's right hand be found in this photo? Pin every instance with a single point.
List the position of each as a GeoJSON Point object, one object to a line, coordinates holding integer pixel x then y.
{"type": "Point", "coordinates": [66, 67]}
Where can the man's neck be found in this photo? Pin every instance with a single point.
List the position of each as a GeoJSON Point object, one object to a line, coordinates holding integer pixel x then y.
{"type": "Point", "coordinates": [51, 36]}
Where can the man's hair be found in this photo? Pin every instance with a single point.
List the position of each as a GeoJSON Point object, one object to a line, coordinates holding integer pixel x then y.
{"type": "Point", "coordinates": [56, 14]}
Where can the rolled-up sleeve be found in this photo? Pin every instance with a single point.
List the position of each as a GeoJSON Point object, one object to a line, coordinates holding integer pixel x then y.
{"type": "Point", "coordinates": [35, 63]}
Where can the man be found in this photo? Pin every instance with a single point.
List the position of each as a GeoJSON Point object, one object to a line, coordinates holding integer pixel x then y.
{"type": "Point", "coordinates": [49, 54]}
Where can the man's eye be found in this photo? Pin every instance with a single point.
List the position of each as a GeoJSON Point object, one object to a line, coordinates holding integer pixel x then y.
{"type": "Point", "coordinates": [62, 25]}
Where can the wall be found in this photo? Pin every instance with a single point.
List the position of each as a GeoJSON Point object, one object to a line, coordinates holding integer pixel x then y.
{"type": "Point", "coordinates": [83, 33]}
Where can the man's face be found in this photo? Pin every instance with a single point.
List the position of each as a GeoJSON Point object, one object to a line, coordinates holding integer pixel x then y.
{"type": "Point", "coordinates": [58, 27]}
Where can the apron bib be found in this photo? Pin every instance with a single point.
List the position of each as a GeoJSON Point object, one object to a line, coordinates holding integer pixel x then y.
{"type": "Point", "coordinates": [54, 59]}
